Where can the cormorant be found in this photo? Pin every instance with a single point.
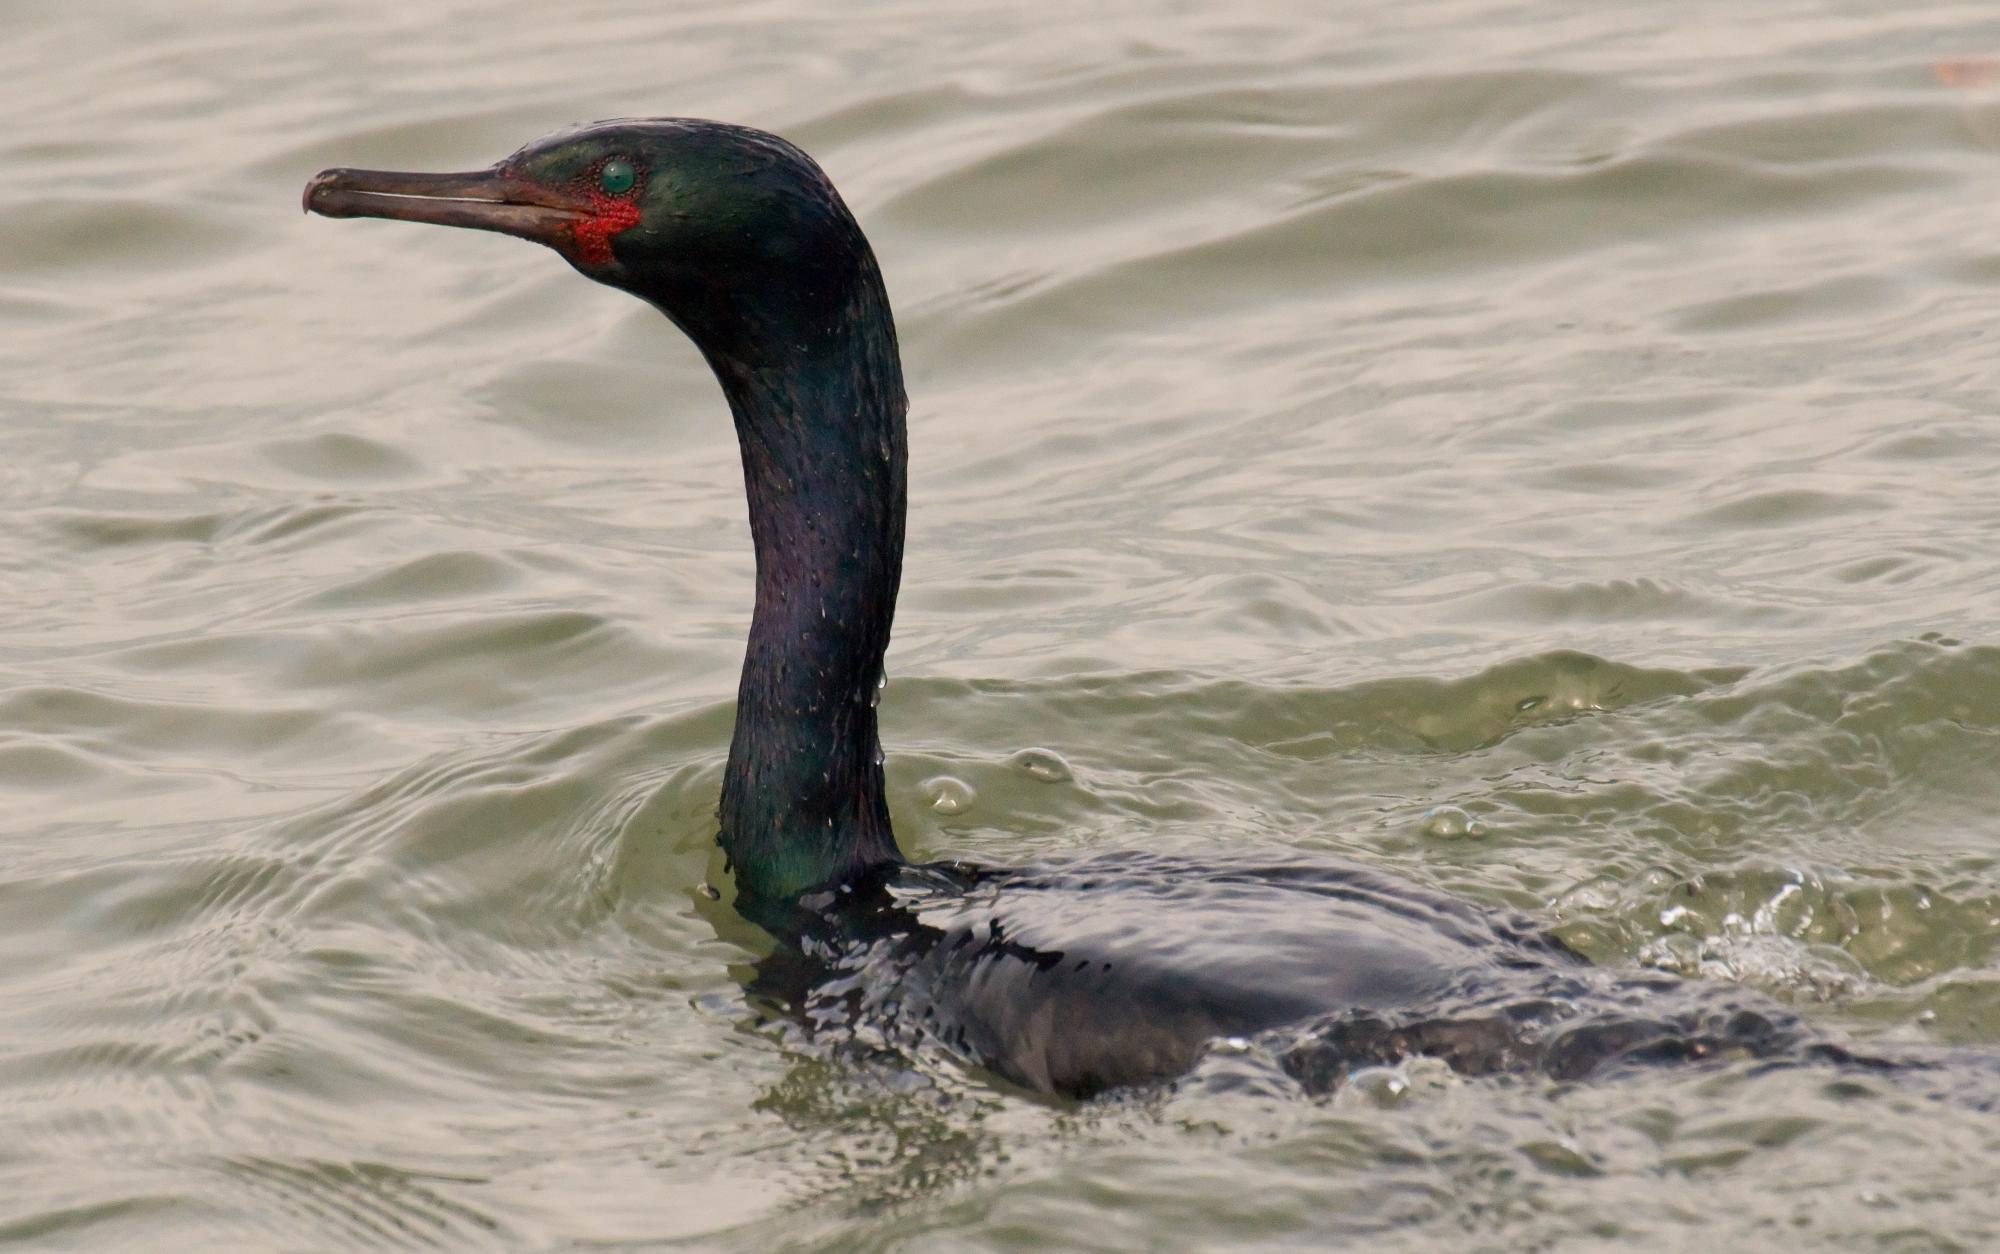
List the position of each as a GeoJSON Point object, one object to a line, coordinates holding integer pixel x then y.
{"type": "Point", "coordinates": [1067, 978]}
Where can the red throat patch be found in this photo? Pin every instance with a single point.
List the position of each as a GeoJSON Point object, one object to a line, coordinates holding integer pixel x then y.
{"type": "Point", "coordinates": [610, 215]}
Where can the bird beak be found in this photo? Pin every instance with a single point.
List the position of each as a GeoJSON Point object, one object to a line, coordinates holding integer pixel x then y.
{"type": "Point", "coordinates": [485, 200]}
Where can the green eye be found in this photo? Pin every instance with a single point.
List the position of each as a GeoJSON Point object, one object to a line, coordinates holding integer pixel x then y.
{"type": "Point", "coordinates": [616, 177]}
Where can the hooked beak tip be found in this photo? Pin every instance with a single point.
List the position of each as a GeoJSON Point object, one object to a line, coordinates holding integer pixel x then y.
{"type": "Point", "coordinates": [312, 189]}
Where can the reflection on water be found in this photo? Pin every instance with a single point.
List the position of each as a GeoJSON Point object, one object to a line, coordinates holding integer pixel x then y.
{"type": "Point", "coordinates": [1333, 433]}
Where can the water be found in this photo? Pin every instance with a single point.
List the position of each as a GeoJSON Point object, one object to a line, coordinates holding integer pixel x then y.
{"type": "Point", "coordinates": [1572, 421]}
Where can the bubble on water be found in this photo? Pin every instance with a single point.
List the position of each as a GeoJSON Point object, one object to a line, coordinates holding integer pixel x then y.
{"type": "Point", "coordinates": [1044, 764]}
{"type": "Point", "coordinates": [1413, 1078]}
{"type": "Point", "coordinates": [948, 795]}
{"type": "Point", "coordinates": [1379, 1086]}
{"type": "Point", "coordinates": [1593, 896]}
{"type": "Point", "coordinates": [1561, 1156]}
{"type": "Point", "coordinates": [1449, 822]}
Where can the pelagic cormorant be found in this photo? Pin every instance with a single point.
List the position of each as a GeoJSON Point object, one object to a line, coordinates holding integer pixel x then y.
{"type": "Point", "coordinates": [1065, 978]}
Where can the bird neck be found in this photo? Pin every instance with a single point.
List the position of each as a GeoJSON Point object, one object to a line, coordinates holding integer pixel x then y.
{"type": "Point", "coordinates": [820, 419]}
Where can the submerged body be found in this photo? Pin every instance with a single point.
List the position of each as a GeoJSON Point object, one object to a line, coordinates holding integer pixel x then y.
{"type": "Point", "coordinates": [1076, 977]}
{"type": "Point", "coordinates": [1072, 979]}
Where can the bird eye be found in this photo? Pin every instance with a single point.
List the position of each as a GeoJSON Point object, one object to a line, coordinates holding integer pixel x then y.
{"type": "Point", "coordinates": [616, 177]}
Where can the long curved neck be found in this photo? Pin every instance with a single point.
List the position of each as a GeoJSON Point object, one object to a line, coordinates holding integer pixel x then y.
{"type": "Point", "coordinates": [821, 423]}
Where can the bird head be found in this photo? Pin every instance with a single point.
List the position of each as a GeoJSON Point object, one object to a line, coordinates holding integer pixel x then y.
{"type": "Point", "coordinates": [733, 232]}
